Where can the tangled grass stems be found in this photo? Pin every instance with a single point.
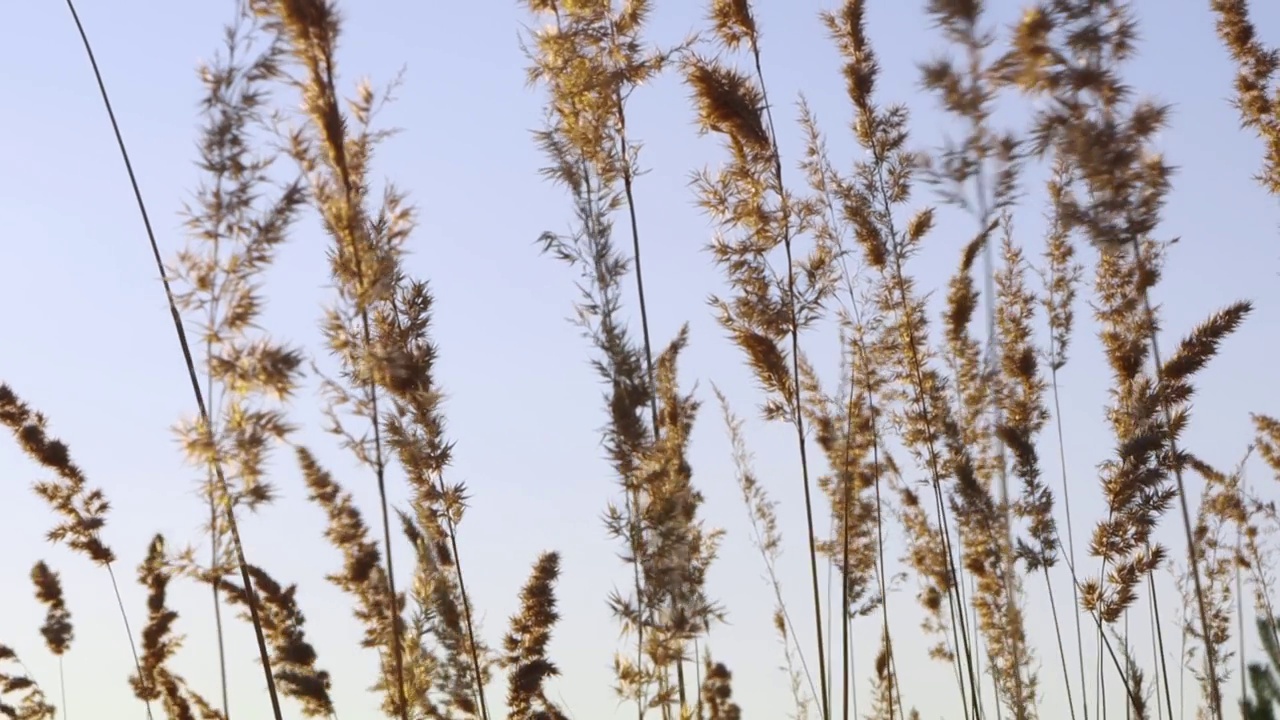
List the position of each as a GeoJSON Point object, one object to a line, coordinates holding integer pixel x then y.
{"type": "Point", "coordinates": [868, 201]}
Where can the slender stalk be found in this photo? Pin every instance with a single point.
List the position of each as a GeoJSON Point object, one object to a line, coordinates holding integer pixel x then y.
{"type": "Point", "coordinates": [955, 598]}
{"type": "Point", "coordinates": [128, 631]}
{"type": "Point", "coordinates": [466, 608]}
{"type": "Point", "coordinates": [1164, 665]}
{"type": "Point", "coordinates": [250, 593]}
{"type": "Point", "coordinates": [846, 664]}
{"type": "Point", "coordinates": [1244, 690]}
{"type": "Point", "coordinates": [62, 685]}
{"type": "Point", "coordinates": [215, 538]}
{"type": "Point", "coordinates": [397, 641]}
{"type": "Point", "coordinates": [797, 415]}
{"type": "Point", "coordinates": [1193, 552]}
{"type": "Point", "coordinates": [1155, 654]}
{"type": "Point", "coordinates": [629, 191]}
{"type": "Point", "coordinates": [957, 601]}
{"type": "Point", "coordinates": [1062, 651]}
{"type": "Point", "coordinates": [1071, 542]}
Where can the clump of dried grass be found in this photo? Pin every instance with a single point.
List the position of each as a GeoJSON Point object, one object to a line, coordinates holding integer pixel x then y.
{"type": "Point", "coordinates": [590, 57]}
{"type": "Point", "coordinates": [1257, 83]}
{"type": "Point", "coordinates": [526, 645]}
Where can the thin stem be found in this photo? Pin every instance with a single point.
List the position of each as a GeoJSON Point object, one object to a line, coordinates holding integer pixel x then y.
{"type": "Point", "coordinates": [1244, 690]}
{"type": "Point", "coordinates": [1182, 678]}
{"type": "Point", "coordinates": [62, 685]}
{"type": "Point", "coordinates": [1193, 552]}
{"type": "Point", "coordinates": [466, 608]}
{"type": "Point", "coordinates": [251, 595]}
{"type": "Point", "coordinates": [629, 189]}
{"type": "Point", "coordinates": [1155, 654]}
{"type": "Point", "coordinates": [1103, 641]}
{"type": "Point", "coordinates": [137, 665]}
{"type": "Point", "coordinates": [397, 642]}
{"type": "Point", "coordinates": [591, 223]}
{"type": "Point", "coordinates": [1128, 707]}
{"type": "Point", "coordinates": [1164, 665]}
{"type": "Point", "coordinates": [1071, 542]}
{"type": "Point", "coordinates": [957, 607]}
{"type": "Point", "coordinates": [846, 667]}
{"type": "Point", "coordinates": [1062, 651]}
{"type": "Point", "coordinates": [954, 594]}
{"type": "Point", "coordinates": [797, 416]}
{"type": "Point", "coordinates": [215, 537]}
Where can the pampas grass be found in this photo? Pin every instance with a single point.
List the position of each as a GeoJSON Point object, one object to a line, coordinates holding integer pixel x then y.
{"type": "Point", "coordinates": [929, 440]}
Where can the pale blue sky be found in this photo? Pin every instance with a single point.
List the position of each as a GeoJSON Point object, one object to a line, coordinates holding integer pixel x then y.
{"type": "Point", "coordinates": [87, 337]}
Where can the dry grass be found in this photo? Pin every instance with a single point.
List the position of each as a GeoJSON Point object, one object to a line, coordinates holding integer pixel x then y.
{"type": "Point", "coordinates": [942, 436]}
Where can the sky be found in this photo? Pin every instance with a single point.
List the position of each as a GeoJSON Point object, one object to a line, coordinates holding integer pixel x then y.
{"type": "Point", "coordinates": [86, 336]}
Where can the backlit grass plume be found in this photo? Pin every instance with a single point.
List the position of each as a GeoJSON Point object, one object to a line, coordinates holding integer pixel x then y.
{"type": "Point", "coordinates": [378, 330]}
{"type": "Point", "coordinates": [362, 575]}
{"type": "Point", "coordinates": [525, 645]}
{"type": "Point", "coordinates": [775, 291]}
{"type": "Point", "coordinates": [1257, 82]}
{"type": "Point", "coordinates": [82, 509]}
{"type": "Point", "coordinates": [1072, 52]}
{"type": "Point", "coordinates": [590, 56]}
{"type": "Point", "coordinates": [235, 228]}
{"type": "Point", "coordinates": [293, 659]}
{"type": "Point", "coordinates": [873, 199]}
{"type": "Point", "coordinates": [155, 680]}
{"type": "Point", "coordinates": [57, 629]}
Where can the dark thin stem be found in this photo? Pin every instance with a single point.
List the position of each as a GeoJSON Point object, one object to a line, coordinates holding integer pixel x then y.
{"type": "Point", "coordinates": [466, 608]}
{"type": "Point", "coordinates": [591, 224]}
{"type": "Point", "coordinates": [215, 545]}
{"type": "Point", "coordinates": [251, 595]}
{"type": "Point", "coordinates": [128, 631]}
{"type": "Point", "coordinates": [954, 593]}
{"type": "Point", "coordinates": [1062, 651]}
{"type": "Point", "coordinates": [1128, 707]}
{"type": "Point", "coordinates": [1071, 541]}
{"type": "Point", "coordinates": [1155, 654]}
{"type": "Point", "coordinates": [1193, 552]}
{"type": "Point", "coordinates": [216, 584]}
{"type": "Point", "coordinates": [1104, 642]}
{"type": "Point", "coordinates": [1164, 665]}
{"type": "Point", "coordinates": [629, 189]}
{"type": "Point", "coordinates": [797, 416]}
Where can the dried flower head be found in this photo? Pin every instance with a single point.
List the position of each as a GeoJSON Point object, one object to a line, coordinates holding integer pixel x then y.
{"type": "Point", "coordinates": [57, 630]}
